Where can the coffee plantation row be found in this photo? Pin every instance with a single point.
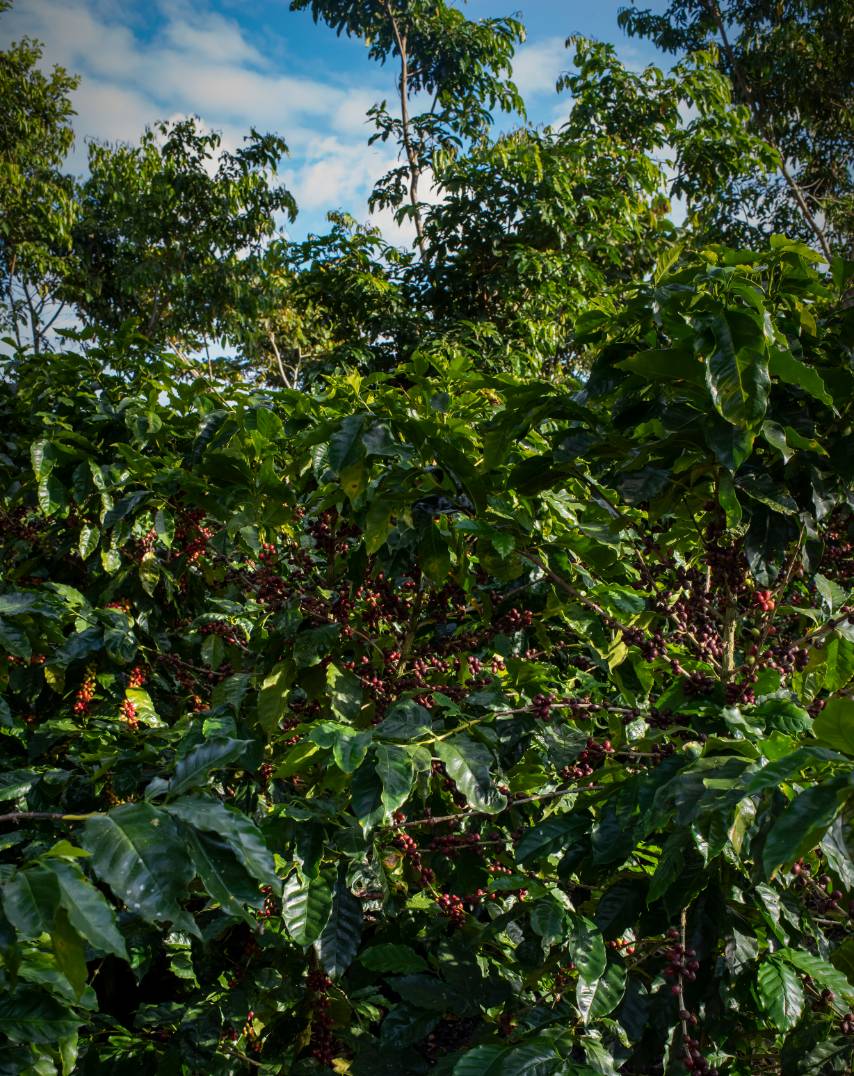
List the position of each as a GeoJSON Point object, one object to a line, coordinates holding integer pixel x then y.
{"type": "Point", "coordinates": [438, 720]}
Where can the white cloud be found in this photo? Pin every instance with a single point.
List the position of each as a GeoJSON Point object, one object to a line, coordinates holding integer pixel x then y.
{"type": "Point", "coordinates": [537, 66]}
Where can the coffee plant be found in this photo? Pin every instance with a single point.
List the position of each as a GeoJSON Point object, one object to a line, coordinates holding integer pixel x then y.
{"type": "Point", "coordinates": [439, 721]}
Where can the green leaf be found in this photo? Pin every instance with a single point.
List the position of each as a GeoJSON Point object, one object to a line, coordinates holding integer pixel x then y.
{"type": "Point", "coordinates": [345, 693]}
{"type": "Point", "coordinates": [832, 594]}
{"type": "Point", "coordinates": [784, 365]}
{"type": "Point", "coordinates": [43, 457]}
{"type": "Point", "coordinates": [406, 721]}
{"type": "Point", "coordinates": [404, 1026]}
{"type": "Point", "coordinates": [272, 698]}
{"type": "Point", "coordinates": [306, 906]}
{"type": "Point", "coordinates": [427, 992]}
{"type": "Point", "coordinates": [780, 993]}
{"type": "Point", "coordinates": [164, 526]}
{"type": "Point", "coordinates": [671, 864]}
{"type": "Point", "coordinates": [70, 952]}
{"type": "Point", "coordinates": [538, 1057]}
{"type": "Point", "coordinates": [598, 997]}
{"type": "Point", "coordinates": [839, 857]}
{"type": "Point", "coordinates": [88, 541]}
{"type": "Point", "coordinates": [31, 899]}
{"type": "Point", "coordinates": [394, 769]}
{"type": "Point", "coordinates": [391, 957]}
{"type": "Point", "coordinates": [212, 755]}
{"type": "Point", "coordinates": [311, 646]}
{"type": "Point", "coordinates": [239, 832]}
{"type": "Point", "coordinates": [835, 725]}
{"type": "Point", "coordinates": [345, 445]}
{"type": "Point", "coordinates": [52, 495]}
{"type": "Point", "coordinates": [366, 795]}
{"type": "Point", "coordinates": [467, 763]}
{"type": "Point", "coordinates": [30, 1015]}
{"type": "Point", "coordinates": [88, 910]}
{"type": "Point", "coordinates": [377, 524]}
{"type": "Point", "coordinates": [802, 824]}
{"type": "Point", "coordinates": [587, 948]}
{"type": "Point", "coordinates": [548, 920]}
{"type": "Point", "coordinates": [222, 874]}
{"type": "Point", "coordinates": [819, 970]}
{"type": "Point", "coordinates": [553, 835]}
{"type": "Point", "coordinates": [14, 640]}
{"type": "Point", "coordinates": [737, 375]}
{"type": "Point", "coordinates": [339, 940]}
{"type": "Point", "coordinates": [149, 574]}
{"type": "Point", "coordinates": [670, 364]}
{"type": "Point", "coordinates": [137, 850]}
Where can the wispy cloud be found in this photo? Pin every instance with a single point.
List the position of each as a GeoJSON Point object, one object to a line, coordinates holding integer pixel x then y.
{"type": "Point", "coordinates": [537, 66]}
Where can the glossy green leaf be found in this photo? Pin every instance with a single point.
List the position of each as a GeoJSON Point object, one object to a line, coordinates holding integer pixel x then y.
{"type": "Point", "coordinates": [31, 1015]}
{"type": "Point", "coordinates": [88, 910]}
{"type": "Point", "coordinates": [196, 767]}
{"type": "Point", "coordinates": [780, 992]}
{"type": "Point", "coordinates": [239, 832]}
{"type": "Point", "coordinates": [468, 764]}
{"type": "Point", "coordinates": [137, 850]}
{"type": "Point", "coordinates": [394, 769]}
{"type": "Point", "coordinates": [339, 940]}
{"type": "Point", "coordinates": [307, 905]}
{"type": "Point", "coordinates": [597, 997]}
{"type": "Point", "coordinates": [389, 956]}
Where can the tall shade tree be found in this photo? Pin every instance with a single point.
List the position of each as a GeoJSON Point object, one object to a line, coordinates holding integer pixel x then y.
{"type": "Point", "coordinates": [453, 70]}
{"type": "Point", "coordinates": [790, 64]}
{"type": "Point", "coordinates": [37, 200]}
{"type": "Point", "coordinates": [170, 231]}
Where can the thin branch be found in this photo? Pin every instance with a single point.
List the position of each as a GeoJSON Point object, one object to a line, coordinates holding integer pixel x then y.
{"type": "Point", "coordinates": [747, 91]}
{"type": "Point", "coordinates": [411, 156]}
{"type": "Point", "coordinates": [15, 817]}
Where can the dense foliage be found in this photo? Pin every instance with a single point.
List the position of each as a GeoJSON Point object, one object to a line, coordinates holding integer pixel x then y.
{"type": "Point", "coordinates": [440, 719]}
{"type": "Point", "coordinates": [458, 676]}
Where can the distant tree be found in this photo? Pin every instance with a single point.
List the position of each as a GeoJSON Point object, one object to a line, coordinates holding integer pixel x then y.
{"type": "Point", "coordinates": [170, 231]}
{"type": "Point", "coordinates": [37, 200]}
{"type": "Point", "coordinates": [453, 70]}
{"type": "Point", "coordinates": [790, 64]}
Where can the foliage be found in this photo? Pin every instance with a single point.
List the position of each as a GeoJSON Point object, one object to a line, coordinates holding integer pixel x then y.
{"type": "Point", "coordinates": [37, 201]}
{"type": "Point", "coordinates": [170, 231]}
{"type": "Point", "coordinates": [789, 62]}
{"type": "Point", "coordinates": [439, 720]}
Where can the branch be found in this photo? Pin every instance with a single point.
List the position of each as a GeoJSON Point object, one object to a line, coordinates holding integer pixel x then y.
{"type": "Point", "coordinates": [16, 817]}
{"type": "Point", "coordinates": [740, 78]}
{"type": "Point", "coordinates": [411, 156]}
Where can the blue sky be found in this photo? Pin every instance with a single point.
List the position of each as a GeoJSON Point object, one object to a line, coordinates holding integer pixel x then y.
{"type": "Point", "coordinates": [239, 63]}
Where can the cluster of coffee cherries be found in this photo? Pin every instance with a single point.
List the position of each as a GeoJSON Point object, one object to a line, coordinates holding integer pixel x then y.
{"type": "Point", "coordinates": [682, 962]}
{"type": "Point", "coordinates": [191, 537]}
{"type": "Point", "coordinates": [270, 906]}
{"type": "Point", "coordinates": [409, 847]}
{"type": "Point", "coordinates": [85, 694]}
{"type": "Point", "coordinates": [824, 898]}
{"type": "Point", "coordinates": [651, 645]}
{"type": "Point", "coordinates": [137, 676]}
{"type": "Point", "coordinates": [692, 1056]}
{"type": "Point", "coordinates": [541, 706]}
{"type": "Point", "coordinates": [516, 619]}
{"type": "Point", "coordinates": [128, 711]}
{"type": "Point", "coordinates": [588, 760]}
{"type": "Point", "coordinates": [765, 600]}
{"type": "Point", "coordinates": [250, 1035]}
{"type": "Point", "coordinates": [452, 907]}
{"type": "Point", "coordinates": [846, 1025]}
{"type": "Point", "coordinates": [323, 1046]}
